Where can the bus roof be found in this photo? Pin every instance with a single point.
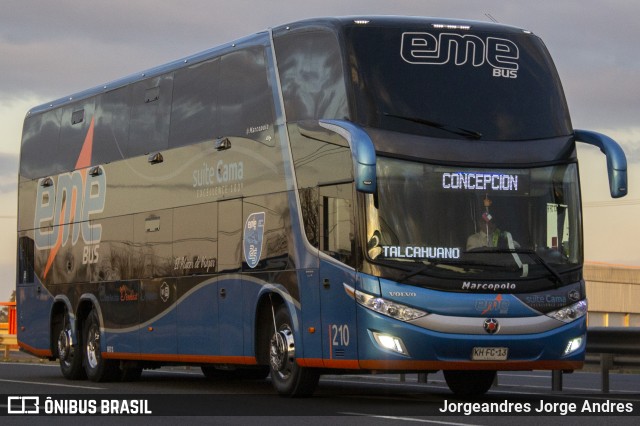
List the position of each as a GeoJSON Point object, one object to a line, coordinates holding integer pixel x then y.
{"type": "Point", "coordinates": [441, 23]}
{"type": "Point", "coordinates": [261, 37]}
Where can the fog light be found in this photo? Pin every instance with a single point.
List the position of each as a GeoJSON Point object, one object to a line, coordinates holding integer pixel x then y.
{"type": "Point", "coordinates": [391, 343]}
{"type": "Point", "coordinates": [573, 345]}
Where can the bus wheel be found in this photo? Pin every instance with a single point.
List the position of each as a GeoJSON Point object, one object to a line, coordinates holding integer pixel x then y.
{"type": "Point", "coordinates": [469, 383]}
{"type": "Point", "coordinates": [69, 351]}
{"type": "Point", "coordinates": [98, 369]}
{"type": "Point", "coordinates": [288, 378]}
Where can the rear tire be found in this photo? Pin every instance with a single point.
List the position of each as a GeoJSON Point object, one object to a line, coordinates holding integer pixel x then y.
{"type": "Point", "coordinates": [97, 368]}
{"type": "Point", "coordinates": [69, 350]}
{"type": "Point", "coordinates": [288, 378]}
{"type": "Point", "coordinates": [467, 383]}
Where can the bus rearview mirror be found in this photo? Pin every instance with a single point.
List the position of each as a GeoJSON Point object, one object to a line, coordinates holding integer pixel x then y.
{"type": "Point", "coordinates": [363, 153]}
{"type": "Point", "coordinates": [616, 160]}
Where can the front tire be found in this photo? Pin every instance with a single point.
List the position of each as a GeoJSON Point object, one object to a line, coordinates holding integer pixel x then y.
{"type": "Point", "coordinates": [97, 368]}
{"type": "Point", "coordinates": [288, 378]}
{"type": "Point", "coordinates": [469, 383]}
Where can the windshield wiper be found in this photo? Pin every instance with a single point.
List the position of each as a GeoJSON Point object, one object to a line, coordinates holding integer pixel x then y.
{"type": "Point", "coordinates": [547, 265]}
{"type": "Point", "coordinates": [557, 279]}
{"type": "Point", "coordinates": [415, 272]}
{"type": "Point", "coordinates": [469, 134]}
{"type": "Point", "coordinates": [421, 269]}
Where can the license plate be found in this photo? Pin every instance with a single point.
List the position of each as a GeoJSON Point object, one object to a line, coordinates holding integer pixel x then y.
{"type": "Point", "coordinates": [489, 354]}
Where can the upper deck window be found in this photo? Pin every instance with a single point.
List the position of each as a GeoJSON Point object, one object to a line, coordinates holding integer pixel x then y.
{"type": "Point", "coordinates": [452, 83]}
{"type": "Point", "coordinates": [312, 76]}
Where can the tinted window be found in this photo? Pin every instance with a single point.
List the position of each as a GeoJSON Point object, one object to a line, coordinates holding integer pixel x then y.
{"type": "Point", "coordinates": [40, 145]}
{"type": "Point", "coordinates": [456, 84]}
{"type": "Point", "coordinates": [245, 99]}
{"type": "Point", "coordinates": [319, 156]}
{"type": "Point", "coordinates": [74, 128]}
{"type": "Point", "coordinates": [193, 113]}
{"type": "Point", "coordinates": [150, 111]}
{"type": "Point", "coordinates": [311, 75]}
{"type": "Point", "coordinates": [111, 133]}
{"type": "Point", "coordinates": [337, 227]}
{"type": "Point", "coordinates": [227, 96]}
{"type": "Point", "coordinates": [25, 260]}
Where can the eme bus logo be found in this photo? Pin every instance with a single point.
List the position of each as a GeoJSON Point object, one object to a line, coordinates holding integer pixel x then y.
{"type": "Point", "coordinates": [63, 211]}
{"type": "Point", "coordinates": [461, 49]}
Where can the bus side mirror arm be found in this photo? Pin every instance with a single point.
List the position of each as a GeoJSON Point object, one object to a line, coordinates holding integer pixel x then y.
{"type": "Point", "coordinates": [616, 160]}
{"type": "Point", "coordinates": [363, 153]}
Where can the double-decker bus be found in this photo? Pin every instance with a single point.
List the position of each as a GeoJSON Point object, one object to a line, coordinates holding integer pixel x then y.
{"type": "Point", "coordinates": [334, 195]}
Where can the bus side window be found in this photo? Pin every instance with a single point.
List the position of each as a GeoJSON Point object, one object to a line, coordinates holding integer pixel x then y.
{"type": "Point", "coordinates": [245, 100]}
{"type": "Point", "coordinates": [75, 124]}
{"type": "Point", "coordinates": [150, 113]}
{"type": "Point", "coordinates": [194, 106]}
{"type": "Point", "coordinates": [111, 134]}
{"type": "Point", "coordinates": [39, 152]}
{"type": "Point", "coordinates": [26, 260]}
{"type": "Point", "coordinates": [310, 210]}
{"type": "Point", "coordinates": [337, 230]}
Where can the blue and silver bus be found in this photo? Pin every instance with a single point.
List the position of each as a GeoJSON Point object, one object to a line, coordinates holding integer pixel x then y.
{"type": "Point", "coordinates": [336, 195]}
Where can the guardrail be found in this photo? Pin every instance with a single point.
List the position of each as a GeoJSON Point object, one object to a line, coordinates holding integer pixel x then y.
{"type": "Point", "coordinates": [613, 348]}
{"type": "Point", "coordinates": [10, 326]}
{"type": "Point", "coordinates": [8, 341]}
{"type": "Point", "coordinates": [618, 347]}
{"type": "Point", "coordinates": [9, 329]}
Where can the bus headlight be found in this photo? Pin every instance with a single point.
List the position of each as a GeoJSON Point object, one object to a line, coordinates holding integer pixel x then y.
{"type": "Point", "coordinates": [570, 313]}
{"type": "Point", "coordinates": [387, 307]}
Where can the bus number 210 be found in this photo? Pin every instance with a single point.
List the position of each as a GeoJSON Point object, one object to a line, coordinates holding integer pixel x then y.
{"type": "Point", "coordinates": [340, 334]}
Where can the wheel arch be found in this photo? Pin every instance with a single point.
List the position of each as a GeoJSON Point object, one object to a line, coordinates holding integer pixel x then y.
{"type": "Point", "coordinates": [61, 305]}
{"type": "Point", "coordinates": [87, 303]}
{"type": "Point", "coordinates": [272, 296]}
{"type": "Point", "coordinates": [263, 317]}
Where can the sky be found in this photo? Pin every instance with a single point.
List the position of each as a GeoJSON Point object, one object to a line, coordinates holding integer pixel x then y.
{"type": "Point", "coordinates": [50, 49]}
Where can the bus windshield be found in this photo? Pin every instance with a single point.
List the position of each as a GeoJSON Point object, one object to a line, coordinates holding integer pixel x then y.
{"type": "Point", "coordinates": [455, 222]}
{"type": "Point", "coordinates": [455, 84]}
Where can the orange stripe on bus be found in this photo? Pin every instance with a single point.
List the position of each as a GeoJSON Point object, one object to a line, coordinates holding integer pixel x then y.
{"type": "Point", "coordinates": [84, 159]}
{"type": "Point", "coordinates": [206, 359]}
{"type": "Point", "coordinates": [349, 364]}
{"type": "Point", "coordinates": [35, 351]}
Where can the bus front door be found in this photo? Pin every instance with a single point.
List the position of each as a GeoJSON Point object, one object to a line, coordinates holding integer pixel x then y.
{"type": "Point", "coordinates": [337, 275]}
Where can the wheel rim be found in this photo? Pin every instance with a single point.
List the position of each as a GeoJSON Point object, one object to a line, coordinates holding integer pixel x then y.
{"type": "Point", "coordinates": [65, 351]}
{"type": "Point", "coordinates": [282, 351]}
{"type": "Point", "coordinates": [93, 346]}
